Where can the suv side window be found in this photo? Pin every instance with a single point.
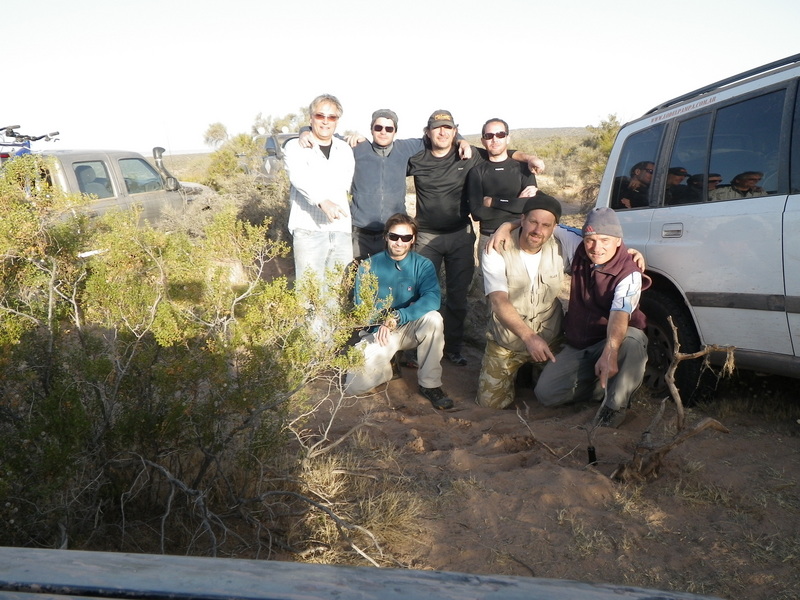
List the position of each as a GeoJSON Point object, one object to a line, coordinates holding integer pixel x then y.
{"type": "Point", "coordinates": [635, 169]}
{"type": "Point", "coordinates": [745, 147]}
{"type": "Point", "coordinates": [690, 182]}
{"type": "Point", "coordinates": [140, 176]}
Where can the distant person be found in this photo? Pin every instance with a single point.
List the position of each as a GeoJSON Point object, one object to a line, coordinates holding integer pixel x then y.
{"type": "Point", "coordinates": [675, 191]}
{"type": "Point", "coordinates": [411, 321]}
{"type": "Point", "coordinates": [698, 187]}
{"type": "Point", "coordinates": [497, 188]}
{"type": "Point", "coordinates": [714, 181]}
{"type": "Point", "coordinates": [604, 329]}
{"type": "Point", "coordinates": [744, 185]}
{"type": "Point", "coordinates": [634, 191]}
{"type": "Point", "coordinates": [320, 177]}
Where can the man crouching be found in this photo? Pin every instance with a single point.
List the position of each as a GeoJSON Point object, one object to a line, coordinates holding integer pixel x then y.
{"type": "Point", "coordinates": [412, 320]}
{"type": "Point", "coordinates": [606, 347]}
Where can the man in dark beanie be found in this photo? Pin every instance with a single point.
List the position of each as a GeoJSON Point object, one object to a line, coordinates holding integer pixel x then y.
{"type": "Point", "coordinates": [522, 283]}
{"type": "Point", "coordinates": [604, 328]}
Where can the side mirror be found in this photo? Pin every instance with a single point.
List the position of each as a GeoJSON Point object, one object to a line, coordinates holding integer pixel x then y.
{"type": "Point", "coordinates": [171, 184]}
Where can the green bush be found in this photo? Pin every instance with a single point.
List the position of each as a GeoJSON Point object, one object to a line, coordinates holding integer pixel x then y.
{"type": "Point", "coordinates": [147, 377]}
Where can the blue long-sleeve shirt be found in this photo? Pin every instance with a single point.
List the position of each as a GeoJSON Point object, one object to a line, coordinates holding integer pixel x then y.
{"type": "Point", "coordinates": [412, 284]}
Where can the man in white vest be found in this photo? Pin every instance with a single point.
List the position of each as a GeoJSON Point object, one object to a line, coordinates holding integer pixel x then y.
{"type": "Point", "coordinates": [522, 283]}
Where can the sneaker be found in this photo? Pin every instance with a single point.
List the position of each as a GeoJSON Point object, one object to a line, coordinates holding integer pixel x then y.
{"type": "Point", "coordinates": [608, 417]}
{"type": "Point", "coordinates": [457, 359]}
{"type": "Point", "coordinates": [436, 397]}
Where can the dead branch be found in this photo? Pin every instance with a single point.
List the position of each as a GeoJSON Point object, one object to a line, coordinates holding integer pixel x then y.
{"type": "Point", "coordinates": [678, 356]}
{"type": "Point", "coordinates": [647, 458]}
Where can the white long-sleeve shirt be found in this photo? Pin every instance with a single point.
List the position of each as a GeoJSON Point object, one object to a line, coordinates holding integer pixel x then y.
{"type": "Point", "coordinates": [315, 179]}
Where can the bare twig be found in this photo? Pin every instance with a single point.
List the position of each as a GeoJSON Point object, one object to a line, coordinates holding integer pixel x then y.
{"type": "Point", "coordinates": [533, 436]}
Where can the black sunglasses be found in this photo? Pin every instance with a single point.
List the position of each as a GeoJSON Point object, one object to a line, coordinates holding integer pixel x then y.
{"type": "Point", "coordinates": [396, 236]}
{"type": "Point", "coordinates": [388, 128]}
{"type": "Point", "coordinates": [500, 135]}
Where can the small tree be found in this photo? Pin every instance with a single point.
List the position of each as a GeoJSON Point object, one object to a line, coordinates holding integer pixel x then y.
{"type": "Point", "coordinates": [594, 154]}
{"type": "Point", "coordinates": [215, 135]}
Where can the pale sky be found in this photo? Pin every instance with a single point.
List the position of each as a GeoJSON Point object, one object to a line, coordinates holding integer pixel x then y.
{"type": "Point", "coordinates": [133, 74]}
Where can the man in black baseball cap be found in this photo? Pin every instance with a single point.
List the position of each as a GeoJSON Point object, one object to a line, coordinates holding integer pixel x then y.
{"type": "Point", "coordinates": [445, 230]}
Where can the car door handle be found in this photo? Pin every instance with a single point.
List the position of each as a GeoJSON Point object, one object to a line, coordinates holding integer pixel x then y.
{"type": "Point", "coordinates": [672, 230]}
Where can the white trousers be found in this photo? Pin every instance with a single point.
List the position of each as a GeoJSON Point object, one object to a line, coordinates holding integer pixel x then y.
{"type": "Point", "coordinates": [426, 334]}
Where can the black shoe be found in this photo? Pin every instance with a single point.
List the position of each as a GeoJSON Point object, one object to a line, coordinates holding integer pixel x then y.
{"type": "Point", "coordinates": [457, 359]}
{"type": "Point", "coordinates": [436, 397]}
{"type": "Point", "coordinates": [608, 417]}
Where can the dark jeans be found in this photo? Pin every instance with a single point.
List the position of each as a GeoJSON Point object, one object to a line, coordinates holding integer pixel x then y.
{"type": "Point", "coordinates": [457, 251]}
{"type": "Point", "coordinates": [367, 242]}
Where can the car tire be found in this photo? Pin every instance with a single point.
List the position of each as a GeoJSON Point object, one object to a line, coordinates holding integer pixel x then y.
{"type": "Point", "coordinates": [689, 377]}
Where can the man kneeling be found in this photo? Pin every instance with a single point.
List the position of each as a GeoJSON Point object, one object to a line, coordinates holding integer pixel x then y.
{"type": "Point", "coordinates": [606, 347]}
{"type": "Point", "coordinates": [412, 320]}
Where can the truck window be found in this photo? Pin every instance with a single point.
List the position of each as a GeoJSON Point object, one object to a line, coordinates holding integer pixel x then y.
{"type": "Point", "coordinates": [635, 169]}
{"type": "Point", "coordinates": [140, 176]}
{"type": "Point", "coordinates": [93, 178]}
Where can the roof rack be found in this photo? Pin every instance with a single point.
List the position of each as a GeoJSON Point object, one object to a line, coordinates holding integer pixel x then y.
{"type": "Point", "coordinates": [723, 82]}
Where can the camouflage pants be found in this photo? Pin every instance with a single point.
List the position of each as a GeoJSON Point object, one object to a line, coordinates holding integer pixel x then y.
{"type": "Point", "coordinates": [498, 370]}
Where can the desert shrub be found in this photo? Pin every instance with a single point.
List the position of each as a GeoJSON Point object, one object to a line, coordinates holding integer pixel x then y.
{"type": "Point", "coordinates": [151, 381]}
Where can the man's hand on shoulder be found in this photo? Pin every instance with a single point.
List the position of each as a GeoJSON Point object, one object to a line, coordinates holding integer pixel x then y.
{"type": "Point", "coordinates": [354, 139]}
{"type": "Point", "coordinates": [464, 150]}
{"type": "Point", "coordinates": [500, 237]}
{"type": "Point", "coordinates": [536, 165]}
{"type": "Point", "coordinates": [638, 258]}
{"type": "Point", "coordinates": [305, 140]}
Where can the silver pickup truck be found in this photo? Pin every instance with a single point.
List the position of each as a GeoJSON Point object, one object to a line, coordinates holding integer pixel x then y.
{"type": "Point", "coordinates": [116, 179]}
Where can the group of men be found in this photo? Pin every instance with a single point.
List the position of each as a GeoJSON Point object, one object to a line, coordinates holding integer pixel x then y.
{"type": "Point", "coordinates": [605, 347]}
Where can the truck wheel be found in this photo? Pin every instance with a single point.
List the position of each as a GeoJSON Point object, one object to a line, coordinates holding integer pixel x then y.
{"type": "Point", "coordinates": [657, 307]}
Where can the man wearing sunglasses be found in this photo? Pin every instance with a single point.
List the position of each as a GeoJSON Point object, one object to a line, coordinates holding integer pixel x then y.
{"type": "Point", "coordinates": [411, 321]}
{"type": "Point", "coordinates": [446, 234]}
{"type": "Point", "coordinates": [634, 192]}
{"type": "Point", "coordinates": [498, 187]}
{"type": "Point", "coordinates": [320, 177]}
{"type": "Point", "coordinates": [379, 182]}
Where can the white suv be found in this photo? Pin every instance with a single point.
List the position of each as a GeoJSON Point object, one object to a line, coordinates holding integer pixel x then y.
{"type": "Point", "coordinates": [707, 187]}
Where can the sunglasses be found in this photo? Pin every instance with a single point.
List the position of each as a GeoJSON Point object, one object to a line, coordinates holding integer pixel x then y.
{"type": "Point", "coordinates": [403, 238]}
{"type": "Point", "coordinates": [323, 117]}
{"type": "Point", "coordinates": [500, 135]}
{"type": "Point", "coordinates": [388, 128]}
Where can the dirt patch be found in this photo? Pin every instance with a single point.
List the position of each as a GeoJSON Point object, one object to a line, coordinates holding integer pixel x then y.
{"type": "Point", "coordinates": [510, 492]}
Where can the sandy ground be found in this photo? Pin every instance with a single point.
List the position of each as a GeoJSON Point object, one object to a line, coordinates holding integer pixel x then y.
{"type": "Point", "coordinates": [510, 492]}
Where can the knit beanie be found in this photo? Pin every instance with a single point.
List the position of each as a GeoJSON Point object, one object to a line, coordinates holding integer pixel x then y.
{"type": "Point", "coordinates": [543, 202]}
{"type": "Point", "coordinates": [602, 221]}
{"type": "Point", "coordinates": [386, 114]}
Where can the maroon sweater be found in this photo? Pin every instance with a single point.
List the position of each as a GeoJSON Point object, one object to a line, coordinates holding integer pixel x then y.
{"type": "Point", "coordinates": [591, 295]}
